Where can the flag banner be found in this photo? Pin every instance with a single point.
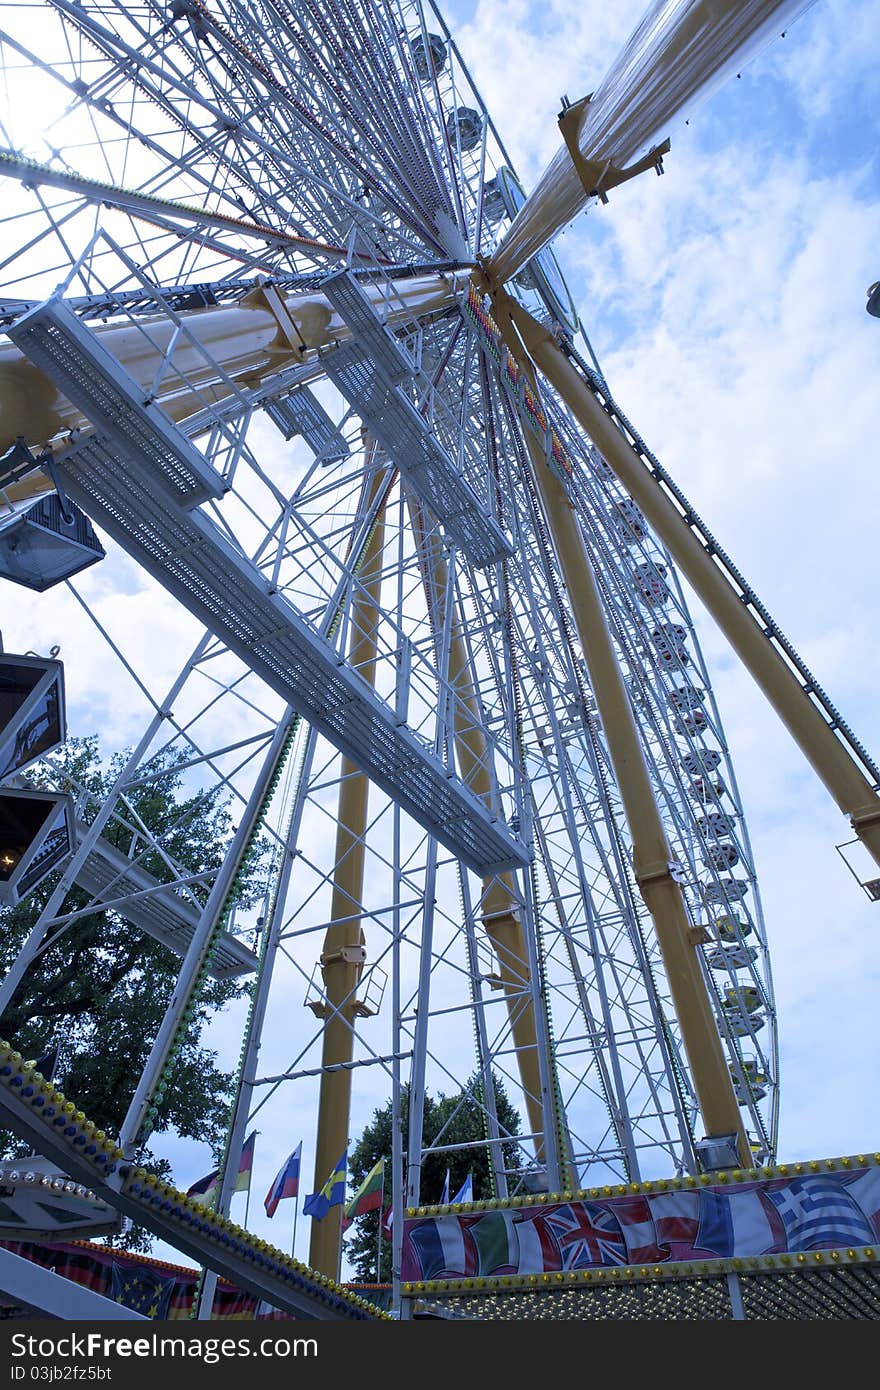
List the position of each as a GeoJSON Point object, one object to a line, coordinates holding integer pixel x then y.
{"type": "Point", "coordinates": [332, 1194]}
{"type": "Point", "coordinates": [286, 1183]}
{"type": "Point", "coordinates": [444, 1195]}
{"type": "Point", "coordinates": [140, 1282]}
{"type": "Point", "coordinates": [245, 1164]}
{"type": "Point", "coordinates": [369, 1195]}
{"type": "Point", "coordinates": [466, 1192]}
{"type": "Point", "coordinates": [142, 1290]}
{"type": "Point", "coordinates": [663, 1223]}
{"type": "Point", "coordinates": [206, 1189]}
{"type": "Point", "coordinates": [47, 1062]}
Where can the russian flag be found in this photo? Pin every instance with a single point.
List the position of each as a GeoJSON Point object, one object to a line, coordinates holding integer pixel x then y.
{"type": "Point", "coordinates": [286, 1183]}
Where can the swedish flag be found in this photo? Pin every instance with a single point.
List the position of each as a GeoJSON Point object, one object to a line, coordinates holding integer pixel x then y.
{"type": "Point", "coordinates": [332, 1194]}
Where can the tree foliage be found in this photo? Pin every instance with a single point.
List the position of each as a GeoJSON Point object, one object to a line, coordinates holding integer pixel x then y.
{"type": "Point", "coordinates": [100, 991]}
{"type": "Point", "coordinates": [448, 1120]}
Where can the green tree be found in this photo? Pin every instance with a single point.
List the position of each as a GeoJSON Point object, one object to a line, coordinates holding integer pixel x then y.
{"type": "Point", "coordinates": [448, 1120]}
{"type": "Point", "coordinates": [100, 991]}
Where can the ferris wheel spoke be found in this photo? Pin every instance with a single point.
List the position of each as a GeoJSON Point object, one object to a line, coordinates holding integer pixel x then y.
{"type": "Point", "coordinates": [323, 121]}
{"type": "Point", "coordinates": [191, 113]}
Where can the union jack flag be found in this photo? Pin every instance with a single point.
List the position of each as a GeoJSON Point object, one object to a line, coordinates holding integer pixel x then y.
{"type": "Point", "coordinates": [587, 1234]}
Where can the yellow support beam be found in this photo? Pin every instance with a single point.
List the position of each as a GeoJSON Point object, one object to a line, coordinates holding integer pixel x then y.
{"type": "Point", "coordinates": [249, 340]}
{"type": "Point", "coordinates": [500, 903]}
{"type": "Point", "coordinates": [652, 855]}
{"type": "Point", "coordinates": [343, 954]}
{"type": "Point", "coordinates": [847, 784]}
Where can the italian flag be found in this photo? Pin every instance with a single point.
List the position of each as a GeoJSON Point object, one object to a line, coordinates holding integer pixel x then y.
{"type": "Point", "coordinates": [369, 1195]}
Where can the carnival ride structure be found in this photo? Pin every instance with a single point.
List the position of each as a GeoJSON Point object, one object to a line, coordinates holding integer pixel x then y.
{"type": "Point", "coordinates": [287, 338]}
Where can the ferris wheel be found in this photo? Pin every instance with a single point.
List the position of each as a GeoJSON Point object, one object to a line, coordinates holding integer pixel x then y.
{"type": "Point", "coordinates": [249, 358]}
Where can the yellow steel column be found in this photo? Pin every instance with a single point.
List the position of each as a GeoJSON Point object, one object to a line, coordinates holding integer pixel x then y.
{"type": "Point", "coordinates": [343, 954]}
{"type": "Point", "coordinates": [500, 904]}
{"type": "Point", "coordinates": [651, 851]}
{"type": "Point", "coordinates": [848, 786]}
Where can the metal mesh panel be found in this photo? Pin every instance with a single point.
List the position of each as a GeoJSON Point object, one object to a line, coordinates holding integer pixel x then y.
{"type": "Point", "coordinates": [350, 302]}
{"type": "Point", "coordinates": [802, 1294]}
{"type": "Point", "coordinates": [81, 367]}
{"type": "Point", "coordinates": [661, 1301]}
{"type": "Point", "coordinates": [187, 554]}
{"type": "Point", "coordinates": [163, 915]}
{"type": "Point", "coordinates": [302, 413]}
{"type": "Point", "coordinates": [406, 438]}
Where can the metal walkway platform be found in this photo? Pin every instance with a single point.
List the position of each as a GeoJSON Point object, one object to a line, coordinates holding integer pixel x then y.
{"type": "Point", "coordinates": [376, 341]}
{"type": "Point", "coordinates": [187, 554]}
{"type": "Point", "coordinates": [143, 496]}
{"type": "Point", "coordinates": [160, 912]}
{"type": "Point", "coordinates": [301, 413]}
{"type": "Point", "coordinates": [364, 371]}
{"type": "Point", "coordinates": [75, 359]}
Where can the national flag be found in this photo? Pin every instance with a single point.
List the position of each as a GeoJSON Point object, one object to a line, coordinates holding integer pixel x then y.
{"type": "Point", "coordinates": [387, 1221]}
{"type": "Point", "coordinates": [46, 1063]}
{"type": "Point", "coordinates": [332, 1194]}
{"type": "Point", "coordinates": [676, 1217]}
{"type": "Point", "coordinates": [465, 1192]}
{"type": "Point", "coordinates": [206, 1189]}
{"type": "Point", "coordinates": [818, 1213]}
{"type": "Point", "coordinates": [370, 1193]}
{"type": "Point", "coordinates": [537, 1250]}
{"type": "Point", "coordinates": [587, 1234]}
{"type": "Point", "coordinates": [637, 1224]}
{"type": "Point", "coordinates": [734, 1223]}
{"type": "Point", "coordinates": [444, 1195]}
{"type": "Point", "coordinates": [494, 1236]}
{"type": "Point", "coordinates": [245, 1164]}
{"type": "Point", "coordinates": [286, 1183]}
{"type": "Point", "coordinates": [142, 1290]}
{"type": "Point", "coordinates": [864, 1188]}
{"type": "Point", "coordinates": [440, 1249]}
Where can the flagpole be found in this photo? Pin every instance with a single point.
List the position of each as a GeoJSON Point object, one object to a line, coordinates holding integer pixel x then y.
{"type": "Point", "coordinates": [295, 1211]}
{"type": "Point", "coordinates": [379, 1230]}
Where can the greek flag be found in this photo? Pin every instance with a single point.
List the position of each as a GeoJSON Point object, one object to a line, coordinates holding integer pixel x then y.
{"type": "Point", "coordinates": [819, 1214]}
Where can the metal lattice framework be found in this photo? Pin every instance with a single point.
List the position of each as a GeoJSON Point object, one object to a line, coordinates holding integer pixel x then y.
{"type": "Point", "coordinates": [240, 252]}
